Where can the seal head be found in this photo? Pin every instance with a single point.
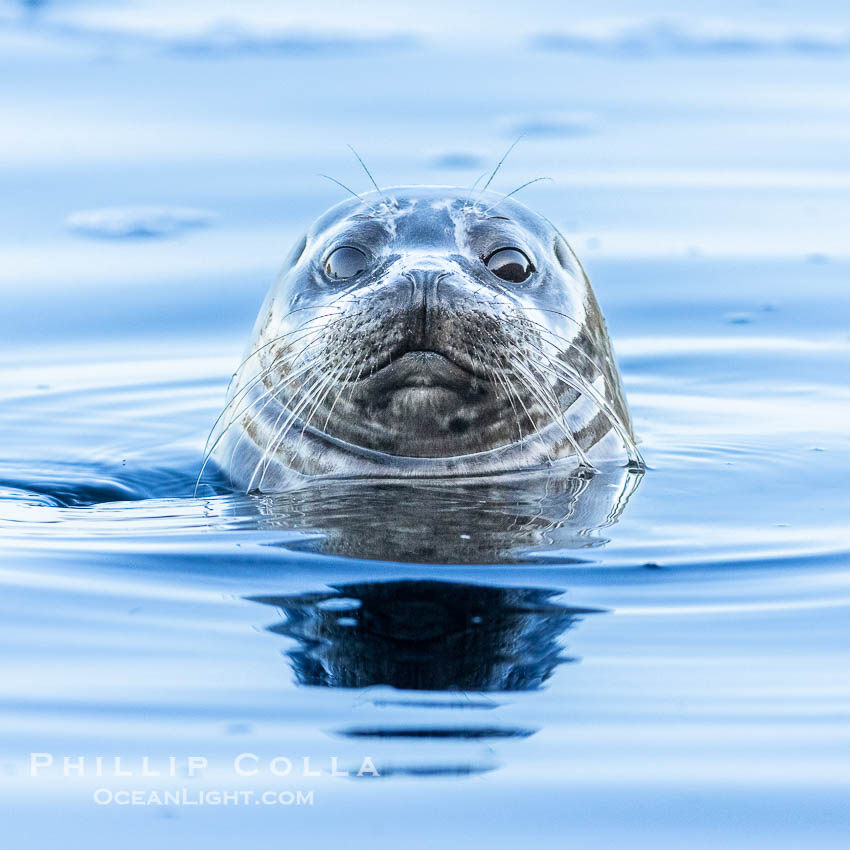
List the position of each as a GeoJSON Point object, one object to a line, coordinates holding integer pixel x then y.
{"type": "Point", "coordinates": [424, 332]}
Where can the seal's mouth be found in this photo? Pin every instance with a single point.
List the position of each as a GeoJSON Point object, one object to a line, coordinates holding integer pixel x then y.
{"type": "Point", "coordinates": [421, 367]}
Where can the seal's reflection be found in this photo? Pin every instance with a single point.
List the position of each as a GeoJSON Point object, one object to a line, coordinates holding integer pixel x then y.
{"type": "Point", "coordinates": [425, 635]}
{"type": "Point", "coordinates": [440, 638]}
{"type": "Point", "coordinates": [503, 519]}
{"type": "Point", "coordinates": [429, 636]}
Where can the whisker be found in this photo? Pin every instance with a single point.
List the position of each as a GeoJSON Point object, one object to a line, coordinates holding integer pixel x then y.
{"type": "Point", "coordinates": [305, 392]}
{"type": "Point", "coordinates": [353, 361]}
{"type": "Point", "coordinates": [569, 343]}
{"type": "Point", "coordinates": [582, 386]}
{"type": "Point", "coordinates": [518, 189]}
{"type": "Point", "coordinates": [320, 399]}
{"type": "Point", "coordinates": [314, 397]}
{"type": "Point", "coordinates": [350, 191]}
{"type": "Point", "coordinates": [301, 329]}
{"type": "Point", "coordinates": [269, 394]}
{"type": "Point", "coordinates": [273, 389]}
{"type": "Point", "coordinates": [542, 394]}
{"type": "Point", "coordinates": [368, 173]}
{"type": "Point", "coordinates": [323, 383]}
{"type": "Point", "coordinates": [534, 425]}
{"type": "Point", "coordinates": [510, 390]}
{"type": "Point", "coordinates": [558, 415]}
{"type": "Point", "coordinates": [353, 383]}
{"type": "Point", "coordinates": [499, 164]}
{"type": "Point", "coordinates": [501, 378]}
{"type": "Point", "coordinates": [263, 373]}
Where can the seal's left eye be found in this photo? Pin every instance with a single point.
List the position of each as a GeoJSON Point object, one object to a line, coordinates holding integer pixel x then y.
{"type": "Point", "coordinates": [345, 262]}
{"type": "Point", "coordinates": [510, 264]}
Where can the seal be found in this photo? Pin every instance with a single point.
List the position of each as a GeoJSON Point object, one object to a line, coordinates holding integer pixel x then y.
{"type": "Point", "coordinates": [424, 332]}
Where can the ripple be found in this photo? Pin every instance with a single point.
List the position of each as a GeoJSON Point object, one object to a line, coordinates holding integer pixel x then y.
{"type": "Point", "coordinates": [138, 222]}
{"type": "Point", "coordinates": [222, 39]}
{"type": "Point", "coordinates": [553, 125]}
{"type": "Point", "coordinates": [658, 37]}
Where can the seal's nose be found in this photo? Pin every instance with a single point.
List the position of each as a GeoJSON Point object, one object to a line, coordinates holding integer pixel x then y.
{"type": "Point", "coordinates": [423, 279]}
{"type": "Point", "coordinates": [424, 282]}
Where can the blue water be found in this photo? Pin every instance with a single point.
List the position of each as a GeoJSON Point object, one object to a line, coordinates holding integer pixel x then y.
{"type": "Point", "coordinates": [675, 677]}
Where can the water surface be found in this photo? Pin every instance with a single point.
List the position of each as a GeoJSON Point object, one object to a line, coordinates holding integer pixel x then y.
{"type": "Point", "coordinates": [518, 663]}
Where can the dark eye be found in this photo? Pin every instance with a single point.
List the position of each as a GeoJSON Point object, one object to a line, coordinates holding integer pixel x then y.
{"type": "Point", "coordinates": [345, 262]}
{"type": "Point", "coordinates": [510, 264]}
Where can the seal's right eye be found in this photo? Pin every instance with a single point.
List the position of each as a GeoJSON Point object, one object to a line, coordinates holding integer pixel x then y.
{"type": "Point", "coordinates": [345, 262]}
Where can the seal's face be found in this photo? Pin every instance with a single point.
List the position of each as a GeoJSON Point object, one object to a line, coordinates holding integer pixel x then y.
{"type": "Point", "coordinates": [430, 301]}
{"type": "Point", "coordinates": [431, 323]}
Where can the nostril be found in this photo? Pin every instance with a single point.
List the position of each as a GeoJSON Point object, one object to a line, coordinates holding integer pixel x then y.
{"type": "Point", "coordinates": [424, 277]}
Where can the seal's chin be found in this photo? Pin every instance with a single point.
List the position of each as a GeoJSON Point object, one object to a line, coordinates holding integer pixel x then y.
{"type": "Point", "coordinates": [426, 394]}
